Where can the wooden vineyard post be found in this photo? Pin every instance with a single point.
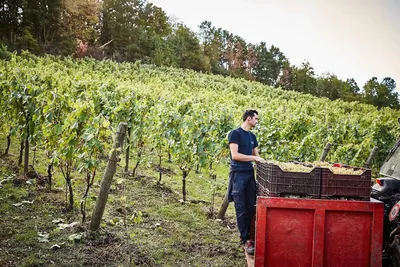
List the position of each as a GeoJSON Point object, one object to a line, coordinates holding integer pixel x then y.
{"type": "Point", "coordinates": [223, 208]}
{"type": "Point", "coordinates": [325, 152]}
{"type": "Point", "coordinates": [107, 177]}
{"type": "Point", "coordinates": [371, 157]}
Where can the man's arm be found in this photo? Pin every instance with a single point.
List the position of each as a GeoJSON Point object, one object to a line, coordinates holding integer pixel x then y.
{"type": "Point", "coordinates": [242, 157]}
{"type": "Point", "coordinates": [255, 152]}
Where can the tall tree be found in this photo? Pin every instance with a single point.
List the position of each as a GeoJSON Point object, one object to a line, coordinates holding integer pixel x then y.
{"type": "Point", "coordinates": [41, 24]}
{"type": "Point", "coordinates": [235, 55]}
{"type": "Point", "coordinates": [351, 91]}
{"type": "Point", "coordinates": [329, 86]}
{"type": "Point", "coordinates": [270, 63]}
{"type": "Point", "coordinates": [47, 26]}
{"type": "Point", "coordinates": [251, 61]}
{"type": "Point", "coordinates": [137, 29]}
{"type": "Point", "coordinates": [304, 79]}
{"type": "Point", "coordinates": [153, 26]}
{"type": "Point", "coordinates": [226, 48]}
{"type": "Point", "coordinates": [187, 50]}
{"type": "Point", "coordinates": [286, 79]}
{"type": "Point", "coordinates": [212, 42]}
{"type": "Point", "coordinates": [118, 25]}
{"type": "Point", "coordinates": [10, 18]}
{"type": "Point", "coordinates": [381, 94]}
{"type": "Point", "coordinates": [79, 19]}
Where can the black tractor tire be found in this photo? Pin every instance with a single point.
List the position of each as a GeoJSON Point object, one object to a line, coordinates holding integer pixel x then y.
{"type": "Point", "coordinates": [394, 252]}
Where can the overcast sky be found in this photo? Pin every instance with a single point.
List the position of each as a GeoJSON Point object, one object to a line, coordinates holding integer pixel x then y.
{"type": "Point", "coordinates": [350, 38]}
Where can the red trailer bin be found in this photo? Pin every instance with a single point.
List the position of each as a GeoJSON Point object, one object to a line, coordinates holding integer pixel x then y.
{"type": "Point", "coordinates": [318, 232]}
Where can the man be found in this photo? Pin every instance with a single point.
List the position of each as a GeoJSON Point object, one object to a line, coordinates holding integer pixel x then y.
{"type": "Point", "coordinates": [242, 187]}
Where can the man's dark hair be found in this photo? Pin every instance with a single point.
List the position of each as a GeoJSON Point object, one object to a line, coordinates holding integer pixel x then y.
{"type": "Point", "coordinates": [249, 112]}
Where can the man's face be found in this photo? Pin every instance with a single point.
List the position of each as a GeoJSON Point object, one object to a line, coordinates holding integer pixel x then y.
{"type": "Point", "coordinates": [253, 121]}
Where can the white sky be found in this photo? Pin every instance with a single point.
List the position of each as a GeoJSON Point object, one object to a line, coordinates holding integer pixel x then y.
{"type": "Point", "coordinates": [350, 38]}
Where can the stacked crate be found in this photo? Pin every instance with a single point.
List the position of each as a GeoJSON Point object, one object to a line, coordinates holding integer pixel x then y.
{"type": "Point", "coordinates": [345, 185]}
{"type": "Point", "coordinates": [320, 182]}
{"type": "Point", "coordinates": [273, 181]}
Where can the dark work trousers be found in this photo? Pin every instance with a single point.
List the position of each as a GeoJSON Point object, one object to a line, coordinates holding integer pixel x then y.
{"type": "Point", "coordinates": [244, 196]}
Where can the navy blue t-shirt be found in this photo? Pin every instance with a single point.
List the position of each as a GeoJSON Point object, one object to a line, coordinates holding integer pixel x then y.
{"type": "Point", "coordinates": [246, 142]}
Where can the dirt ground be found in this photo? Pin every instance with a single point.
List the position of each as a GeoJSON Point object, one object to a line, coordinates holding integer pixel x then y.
{"type": "Point", "coordinates": [144, 224]}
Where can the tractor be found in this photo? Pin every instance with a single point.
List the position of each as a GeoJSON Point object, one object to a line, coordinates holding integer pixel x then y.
{"type": "Point", "coordinates": [387, 190]}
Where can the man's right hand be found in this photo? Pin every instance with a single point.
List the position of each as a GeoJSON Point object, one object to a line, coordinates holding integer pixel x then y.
{"type": "Point", "coordinates": [259, 159]}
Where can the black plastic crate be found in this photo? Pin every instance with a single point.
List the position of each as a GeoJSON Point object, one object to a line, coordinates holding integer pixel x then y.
{"type": "Point", "coordinates": [273, 181]}
{"type": "Point", "coordinates": [351, 186]}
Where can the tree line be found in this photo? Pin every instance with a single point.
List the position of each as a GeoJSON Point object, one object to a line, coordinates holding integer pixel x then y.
{"type": "Point", "coordinates": [132, 30]}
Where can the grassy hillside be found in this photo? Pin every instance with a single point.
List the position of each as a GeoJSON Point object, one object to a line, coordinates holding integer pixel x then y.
{"type": "Point", "coordinates": [144, 224]}
{"type": "Point", "coordinates": [68, 111]}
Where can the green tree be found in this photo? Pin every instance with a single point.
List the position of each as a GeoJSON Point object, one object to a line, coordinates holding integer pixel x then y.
{"type": "Point", "coordinates": [351, 91]}
{"type": "Point", "coordinates": [303, 79]}
{"type": "Point", "coordinates": [40, 24]}
{"type": "Point", "coordinates": [270, 63]}
{"type": "Point", "coordinates": [329, 86]}
{"type": "Point", "coordinates": [137, 29]}
{"type": "Point", "coordinates": [163, 54]}
{"type": "Point", "coordinates": [381, 94]}
{"type": "Point", "coordinates": [78, 24]}
{"type": "Point", "coordinates": [10, 20]}
{"type": "Point", "coordinates": [211, 39]}
{"type": "Point", "coordinates": [187, 50]}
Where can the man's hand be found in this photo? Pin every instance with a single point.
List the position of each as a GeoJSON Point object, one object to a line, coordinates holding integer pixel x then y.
{"type": "Point", "coordinates": [259, 159]}
{"type": "Point", "coordinates": [257, 155]}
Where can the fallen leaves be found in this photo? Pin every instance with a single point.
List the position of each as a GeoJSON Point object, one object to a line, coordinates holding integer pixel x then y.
{"type": "Point", "coordinates": [19, 204]}
{"type": "Point", "coordinates": [43, 237]}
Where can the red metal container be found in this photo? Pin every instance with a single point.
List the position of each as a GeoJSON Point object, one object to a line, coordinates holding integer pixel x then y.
{"type": "Point", "coordinates": [318, 232]}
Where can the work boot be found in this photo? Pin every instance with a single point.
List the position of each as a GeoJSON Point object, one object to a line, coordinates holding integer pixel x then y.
{"type": "Point", "coordinates": [249, 247]}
